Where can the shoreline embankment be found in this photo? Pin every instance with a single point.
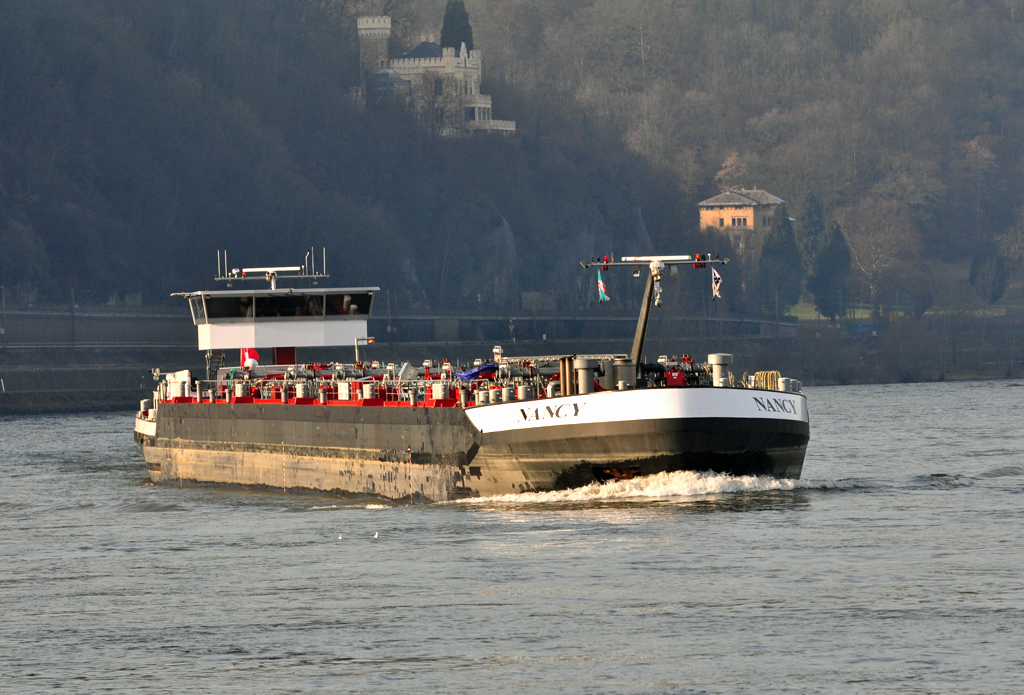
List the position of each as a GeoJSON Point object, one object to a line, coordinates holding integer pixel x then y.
{"type": "Point", "coordinates": [87, 374]}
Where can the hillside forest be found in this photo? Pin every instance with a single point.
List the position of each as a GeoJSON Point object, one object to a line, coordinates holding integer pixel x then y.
{"type": "Point", "coordinates": [137, 137]}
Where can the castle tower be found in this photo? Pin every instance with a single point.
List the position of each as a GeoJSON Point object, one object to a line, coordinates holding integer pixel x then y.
{"type": "Point", "coordinates": [374, 33]}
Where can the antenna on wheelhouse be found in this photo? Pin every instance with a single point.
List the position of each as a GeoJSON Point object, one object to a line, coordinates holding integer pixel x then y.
{"type": "Point", "coordinates": [271, 274]}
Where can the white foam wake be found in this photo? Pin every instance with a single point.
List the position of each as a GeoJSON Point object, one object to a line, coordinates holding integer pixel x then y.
{"type": "Point", "coordinates": [679, 484]}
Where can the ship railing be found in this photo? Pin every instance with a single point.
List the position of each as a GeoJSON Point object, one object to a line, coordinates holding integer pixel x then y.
{"type": "Point", "coordinates": [383, 390]}
{"type": "Point", "coordinates": [327, 391]}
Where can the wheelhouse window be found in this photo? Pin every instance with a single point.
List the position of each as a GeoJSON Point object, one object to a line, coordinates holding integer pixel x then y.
{"type": "Point", "coordinates": [291, 305]}
{"type": "Point", "coordinates": [279, 306]}
{"type": "Point", "coordinates": [357, 304]}
{"type": "Point", "coordinates": [228, 307]}
{"type": "Point", "coordinates": [198, 309]}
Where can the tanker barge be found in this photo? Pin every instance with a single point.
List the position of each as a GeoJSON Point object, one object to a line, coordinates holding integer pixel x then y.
{"type": "Point", "coordinates": [439, 431]}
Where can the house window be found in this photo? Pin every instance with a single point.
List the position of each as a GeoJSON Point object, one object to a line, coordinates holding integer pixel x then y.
{"type": "Point", "coordinates": [764, 221]}
{"type": "Point", "coordinates": [470, 114]}
{"type": "Point", "coordinates": [438, 86]}
{"type": "Point", "coordinates": [721, 222]}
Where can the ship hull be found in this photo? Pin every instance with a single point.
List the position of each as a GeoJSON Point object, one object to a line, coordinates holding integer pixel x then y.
{"type": "Point", "coordinates": [440, 454]}
{"type": "Point", "coordinates": [574, 455]}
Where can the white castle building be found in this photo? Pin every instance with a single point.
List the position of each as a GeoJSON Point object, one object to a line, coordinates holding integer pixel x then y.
{"type": "Point", "coordinates": [441, 84]}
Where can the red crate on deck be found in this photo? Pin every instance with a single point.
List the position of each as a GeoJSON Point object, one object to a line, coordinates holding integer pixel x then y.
{"type": "Point", "coordinates": [675, 378]}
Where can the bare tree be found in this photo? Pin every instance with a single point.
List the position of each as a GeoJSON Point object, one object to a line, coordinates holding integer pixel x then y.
{"type": "Point", "coordinates": [733, 173]}
{"type": "Point", "coordinates": [653, 124]}
{"type": "Point", "coordinates": [979, 164]}
{"type": "Point", "coordinates": [1011, 242]}
{"type": "Point", "coordinates": [882, 240]}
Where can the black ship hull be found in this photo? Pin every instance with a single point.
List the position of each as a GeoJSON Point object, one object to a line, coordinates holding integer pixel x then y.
{"type": "Point", "coordinates": [448, 453]}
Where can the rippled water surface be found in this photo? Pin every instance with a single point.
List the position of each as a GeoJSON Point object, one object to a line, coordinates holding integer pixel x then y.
{"type": "Point", "coordinates": [894, 566]}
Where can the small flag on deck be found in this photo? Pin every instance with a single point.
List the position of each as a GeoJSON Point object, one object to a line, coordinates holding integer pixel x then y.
{"type": "Point", "coordinates": [602, 292]}
{"type": "Point", "coordinates": [716, 284]}
{"type": "Point", "coordinates": [249, 353]}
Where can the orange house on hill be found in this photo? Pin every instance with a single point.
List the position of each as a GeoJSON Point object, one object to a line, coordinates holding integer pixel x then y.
{"type": "Point", "coordinates": [744, 215]}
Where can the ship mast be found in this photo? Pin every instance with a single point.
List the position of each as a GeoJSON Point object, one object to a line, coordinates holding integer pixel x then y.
{"type": "Point", "coordinates": [652, 292]}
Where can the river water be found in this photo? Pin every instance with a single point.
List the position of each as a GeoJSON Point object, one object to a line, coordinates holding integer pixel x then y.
{"type": "Point", "coordinates": [894, 566]}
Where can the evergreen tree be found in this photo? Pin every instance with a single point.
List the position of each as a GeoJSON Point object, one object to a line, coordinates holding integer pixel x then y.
{"type": "Point", "coordinates": [988, 275]}
{"type": "Point", "coordinates": [809, 229]}
{"type": "Point", "coordinates": [829, 270]}
{"type": "Point", "coordinates": [780, 272]}
{"type": "Point", "coordinates": [456, 29]}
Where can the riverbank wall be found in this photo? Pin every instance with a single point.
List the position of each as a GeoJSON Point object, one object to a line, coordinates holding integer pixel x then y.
{"type": "Point", "coordinates": [104, 360]}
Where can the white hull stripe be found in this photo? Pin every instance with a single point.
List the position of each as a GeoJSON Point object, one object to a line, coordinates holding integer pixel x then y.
{"type": "Point", "coordinates": [640, 404]}
{"type": "Point", "coordinates": [147, 427]}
